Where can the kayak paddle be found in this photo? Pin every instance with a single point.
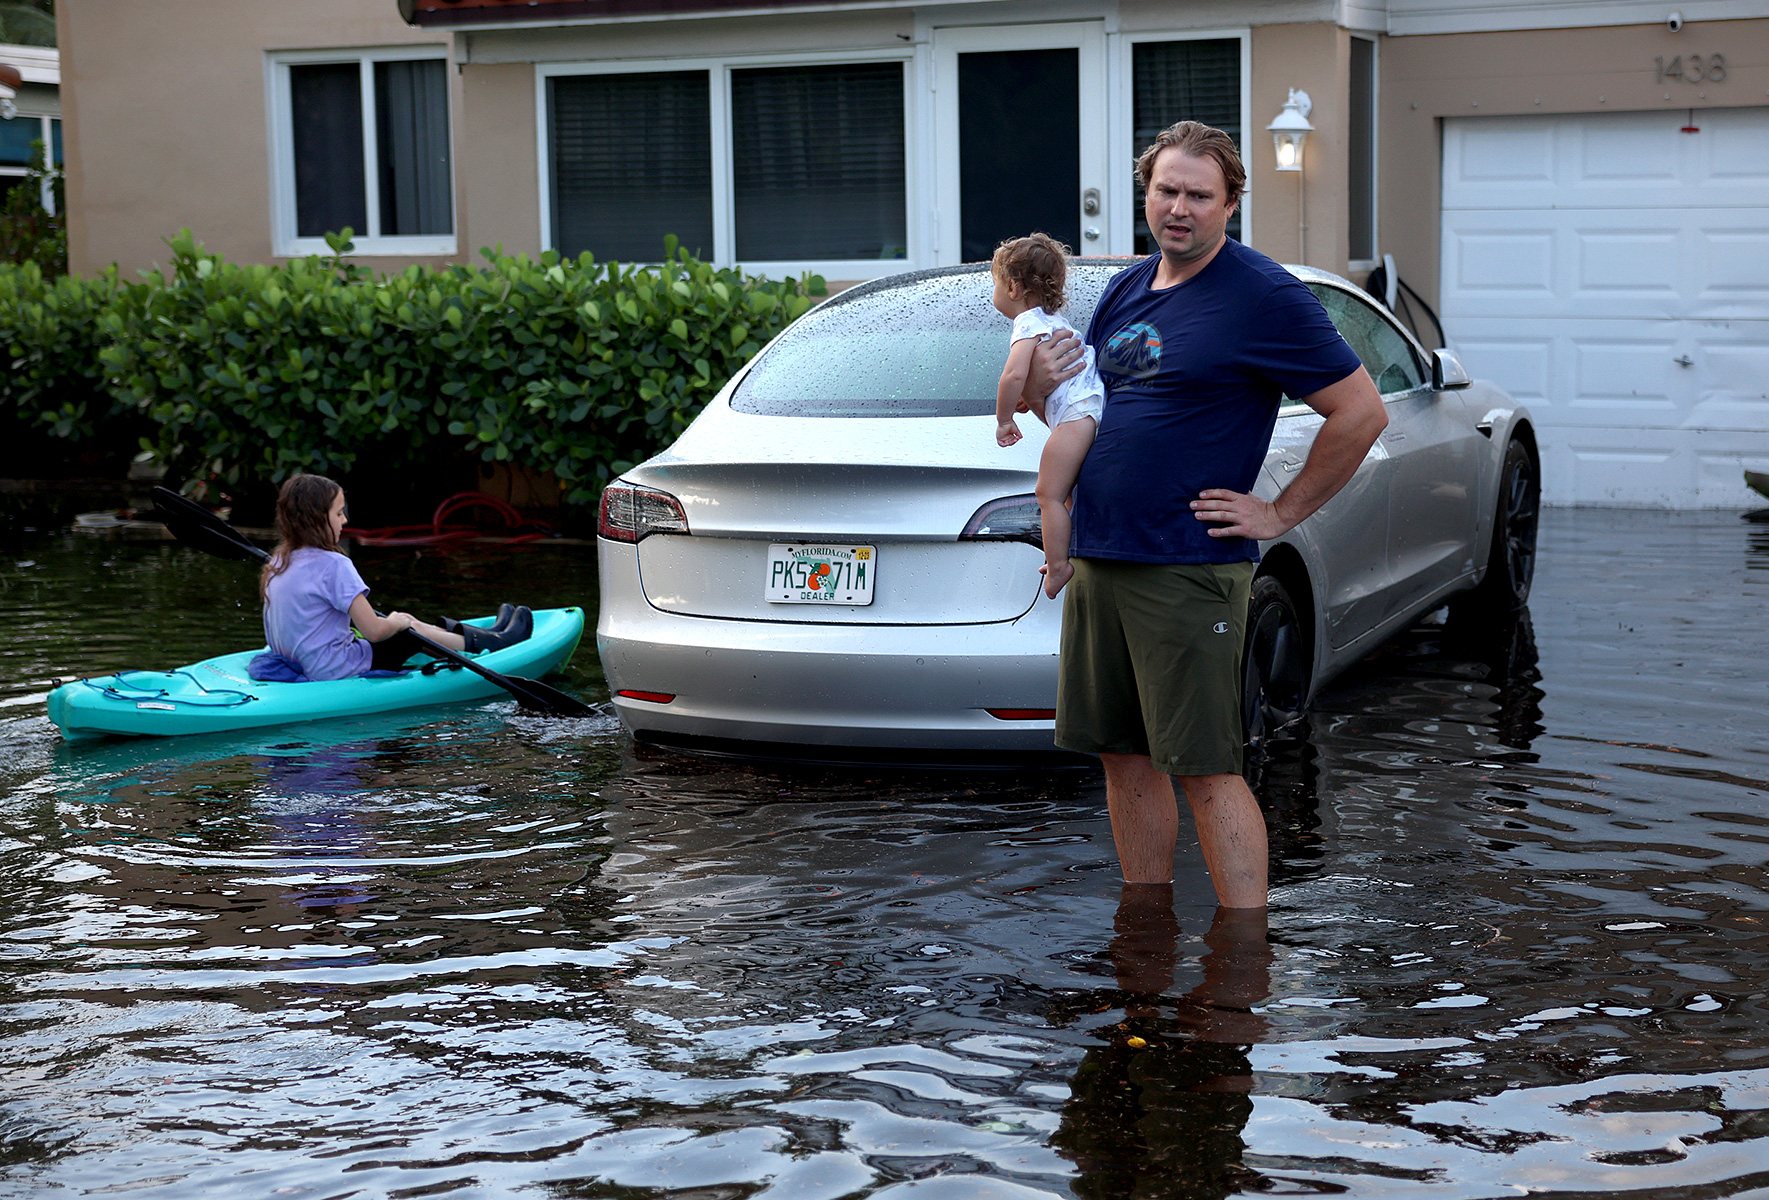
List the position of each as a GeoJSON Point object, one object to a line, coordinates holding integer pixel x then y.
{"type": "Point", "coordinates": [201, 529]}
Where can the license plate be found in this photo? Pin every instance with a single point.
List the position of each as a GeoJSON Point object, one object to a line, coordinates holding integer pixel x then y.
{"type": "Point", "coordinates": [812, 574]}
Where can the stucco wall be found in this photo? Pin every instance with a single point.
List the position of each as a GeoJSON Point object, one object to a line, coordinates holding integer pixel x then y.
{"type": "Point", "coordinates": [495, 165]}
{"type": "Point", "coordinates": [1316, 58]}
{"type": "Point", "coordinates": [165, 122]}
{"type": "Point", "coordinates": [688, 38]}
{"type": "Point", "coordinates": [1428, 78]}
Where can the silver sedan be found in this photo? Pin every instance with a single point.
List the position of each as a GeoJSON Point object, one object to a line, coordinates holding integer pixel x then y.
{"type": "Point", "coordinates": [836, 560]}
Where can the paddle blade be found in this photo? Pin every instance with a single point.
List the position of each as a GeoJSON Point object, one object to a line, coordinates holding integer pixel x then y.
{"type": "Point", "coordinates": [201, 529]}
{"type": "Point", "coordinates": [537, 696]}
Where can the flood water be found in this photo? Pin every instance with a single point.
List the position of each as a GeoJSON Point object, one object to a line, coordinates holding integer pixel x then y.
{"type": "Point", "coordinates": [1517, 944]}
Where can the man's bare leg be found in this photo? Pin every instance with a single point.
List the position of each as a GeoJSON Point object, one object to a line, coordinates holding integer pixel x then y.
{"type": "Point", "coordinates": [1231, 832]}
{"type": "Point", "coordinates": [1145, 819]}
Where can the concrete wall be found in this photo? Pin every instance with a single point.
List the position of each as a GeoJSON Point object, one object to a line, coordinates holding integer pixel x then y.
{"type": "Point", "coordinates": [165, 122]}
{"type": "Point", "coordinates": [1427, 78]}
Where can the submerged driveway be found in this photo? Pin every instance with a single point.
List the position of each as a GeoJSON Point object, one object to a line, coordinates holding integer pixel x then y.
{"type": "Point", "coordinates": [1517, 939]}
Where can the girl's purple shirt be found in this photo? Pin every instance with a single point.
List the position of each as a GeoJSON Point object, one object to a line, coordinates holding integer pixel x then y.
{"type": "Point", "coordinates": [307, 615]}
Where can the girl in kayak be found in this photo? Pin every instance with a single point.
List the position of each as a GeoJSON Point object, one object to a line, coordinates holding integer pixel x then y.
{"type": "Point", "coordinates": [313, 594]}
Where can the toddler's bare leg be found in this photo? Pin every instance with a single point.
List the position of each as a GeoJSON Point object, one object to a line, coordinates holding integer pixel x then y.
{"type": "Point", "coordinates": [1058, 469]}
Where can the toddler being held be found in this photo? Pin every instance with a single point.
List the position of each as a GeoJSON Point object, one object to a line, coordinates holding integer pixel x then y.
{"type": "Point", "coordinates": [1031, 275]}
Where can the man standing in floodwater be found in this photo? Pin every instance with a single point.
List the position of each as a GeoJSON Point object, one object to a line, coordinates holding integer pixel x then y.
{"type": "Point", "coordinates": [1196, 346]}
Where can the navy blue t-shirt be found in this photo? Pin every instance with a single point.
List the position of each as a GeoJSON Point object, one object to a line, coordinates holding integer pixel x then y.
{"type": "Point", "coordinates": [1193, 376]}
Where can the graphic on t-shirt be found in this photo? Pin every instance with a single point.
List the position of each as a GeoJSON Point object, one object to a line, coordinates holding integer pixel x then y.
{"type": "Point", "coordinates": [1133, 352]}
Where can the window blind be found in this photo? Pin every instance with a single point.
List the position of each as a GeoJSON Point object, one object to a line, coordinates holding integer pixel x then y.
{"type": "Point", "coordinates": [817, 162]}
{"type": "Point", "coordinates": [1196, 80]}
{"type": "Point", "coordinates": [632, 162]}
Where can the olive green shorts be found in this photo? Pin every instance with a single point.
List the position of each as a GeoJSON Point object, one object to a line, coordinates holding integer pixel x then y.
{"type": "Point", "coordinates": [1151, 663]}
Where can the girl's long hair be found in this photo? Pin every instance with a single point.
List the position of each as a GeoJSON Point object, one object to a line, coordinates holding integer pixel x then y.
{"type": "Point", "coordinates": [303, 518]}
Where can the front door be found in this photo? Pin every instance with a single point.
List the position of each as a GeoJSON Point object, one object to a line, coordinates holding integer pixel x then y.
{"type": "Point", "coordinates": [1021, 117]}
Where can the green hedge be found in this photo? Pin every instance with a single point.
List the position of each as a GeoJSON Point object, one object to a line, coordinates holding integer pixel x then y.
{"type": "Point", "coordinates": [250, 373]}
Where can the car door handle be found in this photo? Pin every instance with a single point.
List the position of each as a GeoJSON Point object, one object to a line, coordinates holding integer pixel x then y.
{"type": "Point", "coordinates": [1683, 360]}
{"type": "Point", "coordinates": [1395, 437]}
{"type": "Point", "coordinates": [1290, 464]}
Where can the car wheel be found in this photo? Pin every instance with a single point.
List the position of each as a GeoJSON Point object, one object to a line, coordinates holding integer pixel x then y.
{"type": "Point", "coordinates": [1275, 665]}
{"type": "Point", "coordinates": [1511, 562]}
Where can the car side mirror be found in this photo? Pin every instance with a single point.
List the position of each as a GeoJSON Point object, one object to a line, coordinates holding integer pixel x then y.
{"type": "Point", "coordinates": [1447, 372]}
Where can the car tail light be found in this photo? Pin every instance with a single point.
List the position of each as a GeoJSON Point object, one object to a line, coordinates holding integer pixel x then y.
{"type": "Point", "coordinates": [648, 697]}
{"type": "Point", "coordinates": [1009, 519]}
{"type": "Point", "coordinates": [631, 513]}
{"type": "Point", "coordinates": [1022, 714]}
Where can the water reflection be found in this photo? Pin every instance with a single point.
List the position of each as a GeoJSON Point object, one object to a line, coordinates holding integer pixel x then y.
{"type": "Point", "coordinates": [1160, 1109]}
{"type": "Point", "coordinates": [1517, 941]}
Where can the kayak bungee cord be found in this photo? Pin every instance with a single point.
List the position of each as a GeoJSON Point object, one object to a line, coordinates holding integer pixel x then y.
{"type": "Point", "coordinates": [161, 697]}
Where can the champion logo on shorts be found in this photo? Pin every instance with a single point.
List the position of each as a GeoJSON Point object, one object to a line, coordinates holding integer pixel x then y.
{"type": "Point", "coordinates": [1219, 627]}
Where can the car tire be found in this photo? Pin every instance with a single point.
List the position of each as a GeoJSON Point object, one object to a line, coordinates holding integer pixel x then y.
{"type": "Point", "coordinates": [1511, 560]}
{"type": "Point", "coordinates": [1275, 665]}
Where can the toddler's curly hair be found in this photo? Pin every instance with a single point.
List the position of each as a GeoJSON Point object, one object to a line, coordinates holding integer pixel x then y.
{"type": "Point", "coordinates": [1037, 265]}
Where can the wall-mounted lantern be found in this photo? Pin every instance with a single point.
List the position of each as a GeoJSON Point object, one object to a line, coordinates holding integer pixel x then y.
{"type": "Point", "coordinates": [1290, 130]}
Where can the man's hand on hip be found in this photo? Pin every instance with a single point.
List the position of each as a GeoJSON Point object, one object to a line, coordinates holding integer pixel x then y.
{"type": "Point", "coordinates": [1240, 515]}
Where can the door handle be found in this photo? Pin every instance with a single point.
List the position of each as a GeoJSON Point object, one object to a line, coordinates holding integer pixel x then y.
{"type": "Point", "coordinates": [1091, 233]}
{"type": "Point", "coordinates": [1683, 360]}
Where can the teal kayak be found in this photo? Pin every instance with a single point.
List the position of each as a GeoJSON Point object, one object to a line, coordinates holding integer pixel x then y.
{"type": "Point", "coordinates": [216, 695]}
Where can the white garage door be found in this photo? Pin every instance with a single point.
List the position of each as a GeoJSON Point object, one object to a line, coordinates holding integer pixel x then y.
{"type": "Point", "coordinates": [1612, 272]}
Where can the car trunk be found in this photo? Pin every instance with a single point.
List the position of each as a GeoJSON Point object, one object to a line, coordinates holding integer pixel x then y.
{"type": "Point", "coordinates": [773, 481]}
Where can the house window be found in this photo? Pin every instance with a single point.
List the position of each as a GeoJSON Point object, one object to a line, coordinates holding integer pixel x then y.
{"type": "Point", "coordinates": [16, 137]}
{"type": "Point", "coordinates": [817, 172]}
{"type": "Point", "coordinates": [632, 163]}
{"type": "Point", "coordinates": [778, 168]}
{"type": "Point", "coordinates": [363, 142]}
{"type": "Point", "coordinates": [1360, 155]}
{"type": "Point", "coordinates": [1190, 80]}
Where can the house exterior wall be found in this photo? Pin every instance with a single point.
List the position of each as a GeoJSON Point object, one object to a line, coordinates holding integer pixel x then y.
{"type": "Point", "coordinates": [1486, 16]}
{"type": "Point", "coordinates": [145, 161]}
{"type": "Point", "coordinates": [1299, 217]}
{"type": "Point", "coordinates": [166, 120]}
{"type": "Point", "coordinates": [500, 154]}
{"type": "Point", "coordinates": [1427, 78]}
{"type": "Point", "coordinates": [495, 157]}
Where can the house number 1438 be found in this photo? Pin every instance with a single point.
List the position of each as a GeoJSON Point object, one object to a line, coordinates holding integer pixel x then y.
{"type": "Point", "coordinates": [1692, 69]}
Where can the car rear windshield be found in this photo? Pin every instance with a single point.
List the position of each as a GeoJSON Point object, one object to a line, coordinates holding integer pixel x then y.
{"type": "Point", "coordinates": [928, 347]}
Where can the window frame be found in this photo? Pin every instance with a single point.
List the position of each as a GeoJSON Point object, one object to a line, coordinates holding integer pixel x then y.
{"type": "Point", "coordinates": [285, 242]}
{"type": "Point", "coordinates": [719, 70]}
{"type": "Point", "coordinates": [1121, 114]}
